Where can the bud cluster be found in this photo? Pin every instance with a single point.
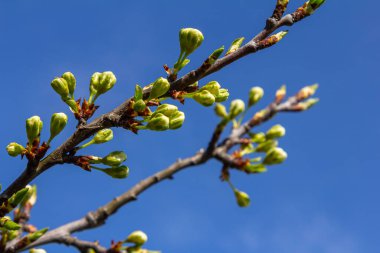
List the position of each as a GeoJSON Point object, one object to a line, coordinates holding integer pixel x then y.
{"type": "Point", "coordinates": [209, 94]}
{"type": "Point", "coordinates": [100, 83]}
{"type": "Point", "coordinates": [114, 160]}
{"type": "Point", "coordinates": [165, 117]}
{"type": "Point", "coordinates": [65, 87]}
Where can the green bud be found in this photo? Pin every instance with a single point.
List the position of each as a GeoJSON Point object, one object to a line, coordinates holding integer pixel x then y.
{"type": "Point", "coordinates": [237, 106]}
{"type": "Point", "coordinates": [71, 82]}
{"type": "Point", "coordinates": [137, 237]}
{"type": "Point", "coordinates": [37, 251]}
{"type": "Point", "coordinates": [307, 92]}
{"type": "Point", "coordinates": [303, 106]}
{"type": "Point", "coordinates": [176, 120]}
{"type": "Point", "coordinates": [33, 128]}
{"type": "Point", "coordinates": [258, 137]}
{"type": "Point", "coordinates": [103, 136]}
{"type": "Point", "coordinates": [255, 168]}
{"type": "Point", "coordinates": [190, 39]}
{"type": "Point", "coordinates": [222, 96]}
{"type": "Point", "coordinates": [101, 83]}
{"type": "Point", "coordinates": [13, 234]}
{"type": "Point", "coordinates": [94, 83]}
{"type": "Point", "coordinates": [215, 55]}
{"type": "Point", "coordinates": [31, 196]}
{"type": "Point", "coordinates": [213, 87]}
{"type": "Point", "coordinates": [14, 149]}
{"type": "Point", "coordinates": [16, 198]}
{"type": "Point", "coordinates": [255, 95]}
{"type": "Point", "coordinates": [159, 88]}
{"type": "Point", "coordinates": [60, 86]}
{"type": "Point", "coordinates": [36, 235]}
{"type": "Point", "coordinates": [115, 172]}
{"type": "Point", "coordinates": [277, 131]}
{"type": "Point", "coordinates": [205, 98]}
{"type": "Point", "coordinates": [166, 109]}
{"type": "Point", "coordinates": [159, 122]}
{"type": "Point", "coordinates": [220, 110]}
{"type": "Point", "coordinates": [235, 45]}
{"type": "Point", "coordinates": [57, 124]}
{"type": "Point", "coordinates": [139, 106]}
{"type": "Point", "coordinates": [114, 159]}
{"type": "Point", "coordinates": [313, 5]}
{"type": "Point", "coordinates": [275, 156]}
{"type": "Point", "coordinates": [7, 223]}
{"type": "Point", "coordinates": [266, 146]}
{"type": "Point", "coordinates": [138, 93]}
{"type": "Point", "coordinates": [242, 198]}
{"type": "Point", "coordinates": [72, 104]}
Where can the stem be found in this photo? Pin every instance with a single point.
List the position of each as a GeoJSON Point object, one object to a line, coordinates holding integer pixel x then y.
{"type": "Point", "coordinates": [87, 144]}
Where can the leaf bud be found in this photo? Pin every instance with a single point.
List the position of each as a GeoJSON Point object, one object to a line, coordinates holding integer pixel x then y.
{"type": "Point", "coordinates": [313, 5]}
{"type": "Point", "coordinates": [190, 39]}
{"type": "Point", "coordinates": [14, 149]}
{"type": "Point", "coordinates": [220, 110]}
{"type": "Point", "coordinates": [31, 196]}
{"type": "Point", "coordinates": [242, 198]}
{"type": "Point", "coordinates": [16, 198]}
{"type": "Point", "coordinates": [215, 55]}
{"type": "Point", "coordinates": [307, 92]}
{"type": "Point", "coordinates": [204, 97]}
{"type": "Point", "coordinates": [237, 106]}
{"type": "Point", "coordinates": [280, 93]}
{"type": "Point", "coordinates": [235, 45]}
{"type": "Point", "coordinates": [33, 128]}
{"type": "Point", "coordinates": [176, 120]}
{"type": "Point", "coordinates": [222, 96]}
{"type": "Point", "coordinates": [115, 158]}
{"type": "Point", "coordinates": [7, 223]}
{"type": "Point", "coordinates": [255, 95]}
{"type": "Point", "coordinates": [71, 82]}
{"type": "Point", "coordinates": [57, 124]}
{"type": "Point", "coordinates": [303, 106]}
{"type": "Point", "coordinates": [159, 88]}
{"type": "Point", "coordinates": [36, 235]}
{"type": "Point", "coordinates": [137, 237]}
{"type": "Point", "coordinates": [275, 156]}
{"type": "Point", "coordinates": [159, 122]}
{"type": "Point", "coordinates": [60, 86]}
{"type": "Point", "coordinates": [255, 168]}
{"type": "Point", "coordinates": [276, 131]}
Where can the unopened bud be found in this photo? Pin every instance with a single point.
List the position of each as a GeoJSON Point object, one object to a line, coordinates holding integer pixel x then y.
{"type": "Point", "coordinates": [190, 39]}
{"type": "Point", "coordinates": [313, 5]}
{"type": "Point", "coordinates": [220, 110]}
{"type": "Point", "coordinates": [114, 159]}
{"type": "Point", "coordinates": [31, 196]}
{"type": "Point", "coordinates": [258, 137]}
{"type": "Point", "coordinates": [57, 124]}
{"type": "Point", "coordinates": [303, 106]}
{"type": "Point", "coordinates": [277, 131]}
{"type": "Point", "coordinates": [116, 172]}
{"type": "Point", "coordinates": [16, 198]}
{"type": "Point", "coordinates": [275, 156]}
{"type": "Point", "coordinates": [176, 120]}
{"type": "Point", "coordinates": [159, 88]}
{"type": "Point", "coordinates": [204, 97]}
{"type": "Point", "coordinates": [307, 92]}
{"type": "Point", "coordinates": [8, 224]}
{"type": "Point", "coordinates": [255, 168]}
{"type": "Point", "coordinates": [215, 55]}
{"type": "Point", "coordinates": [33, 128]}
{"type": "Point", "coordinates": [139, 106]}
{"type": "Point", "coordinates": [166, 109]}
{"type": "Point", "coordinates": [103, 136]}
{"type": "Point", "coordinates": [14, 149]}
{"type": "Point", "coordinates": [137, 237]}
{"type": "Point", "coordinates": [235, 45]}
{"type": "Point", "coordinates": [242, 198]}
{"type": "Point", "coordinates": [213, 87]}
{"type": "Point", "coordinates": [101, 83]}
{"type": "Point", "coordinates": [71, 82]}
{"type": "Point", "coordinates": [159, 122]}
{"type": "Point", "coordinates": [280, 93]}
{"type": "Point", "coordinates": [138, 92]}
{"type": "Point", "coordinates": [37, 251]}
{"type": "Point", "coordinates": [36, 235]}
{"type": "Point", "coordinates": [222, 96]}
{"type": "Point", "coordinates": [61, 87]}
{"type": "Point", "coordinates": [255, 95]}
{"type": "Point", "coordinates": [237, 106]}
{"type": "Point", "coordinates": [266, 146]}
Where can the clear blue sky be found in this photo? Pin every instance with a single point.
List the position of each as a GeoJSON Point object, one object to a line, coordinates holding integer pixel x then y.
{"type": "Point", "coordinates": [323, 199]}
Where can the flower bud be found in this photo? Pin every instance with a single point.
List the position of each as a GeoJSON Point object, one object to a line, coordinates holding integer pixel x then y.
{"type": "Point", "coordinates": [37, 251]}
{"type": "Point", "coordinates": [71, 82]}
{"type": "Point", "coordinates": [258, 137]}
{"type": "Point", "coordinates": [14, 149]}
{"type": "Point", "coordinates": [33, 128]}
{"type": "Point", "coordinates": [60, 86]}
{"type": "Point", "coordinates": [139, 106]}
{"type": "Point", "coordinates": [222, 96]}
{"type": "Point", "coordinates": [176, 120]}
{"type": "Point", "coordinates": [103, 136]}
{"type": "Point", "coordinates": [275, 156]}
{"type": "Point", "coordinates": [255, 168]}
{"type": "Point", "coordinates": [215, 55]}
{"type": "Point", "coordinates": [303, 106]}
{"type": "Point", "coordinates": [166, 109]}
{"type": "Point", "coordinates": [137, 237]}
{"type": "Point", "coordinates": [116, 172]}
{"type": "Point", "coordinates": [57, 124]}
{"type": "Point", "coordinates": [242, 198]}
{"type": "Point", "coordinates": [255, 95]}
{"type": "Point", "coordinates": [280, 94]}
{"type": "Point", "coordinates": [266, 146]}
{"type": "Point", "coordinates": [237, 106]}
{"type": "Point", "coordinates": [160, 87]}
{"type": "Point", "coordinates": [190, 39]}
{"type": "Point", "coordinates": [159, 122]}
{"type": "Point", "coordinates": [8, 224]}
{"type": "Point", "coordinates": [220, 110]}
{"type": "Point", "coordinates": [276, 131]}
{"type": "Point", "coordinates": [36, 235]}
{"type": "Point", "coordinates": [204, 97]}
{"type": "Point", "coordinates": [235, 45]}
{"type": "Point", "coordinates": [114, 159]}
{"type": "Point", "coordinates": [307, 92]}
{"type": "Point", "coordinates": [106, 81]}
{"type": "Point", "coordinates": [213, 87]}
{"type": "Point", "coordinates": [94, 83]}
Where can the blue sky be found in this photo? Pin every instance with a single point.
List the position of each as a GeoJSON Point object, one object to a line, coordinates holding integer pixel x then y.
{"type": "Point", "coordinates": [323, 199]}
